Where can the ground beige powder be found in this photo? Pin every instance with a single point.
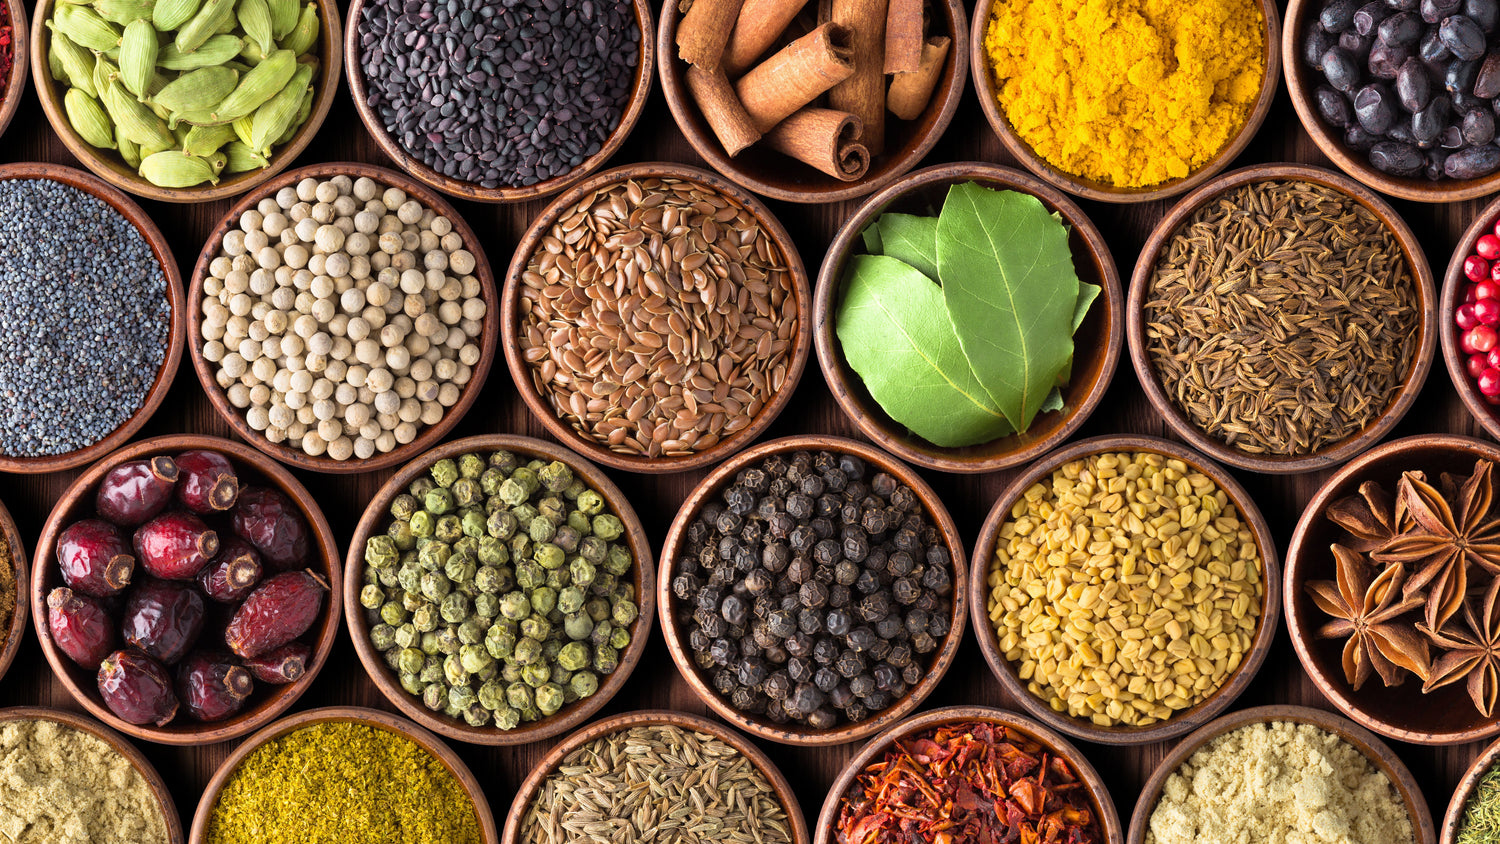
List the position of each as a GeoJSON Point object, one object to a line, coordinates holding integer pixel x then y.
{"type": "Point", "coordinates": [1279, 783]}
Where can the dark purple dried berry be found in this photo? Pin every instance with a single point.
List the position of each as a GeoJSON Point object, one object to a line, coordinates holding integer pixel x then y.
{"type": "Point", "coordinates": [212, 687]}
{"type": "Point", "coordinates": [132, 493]}
{"type": "Point", "coordinates": [1402, 29]}
{"type": "Point", "coordinates": [208, 483]}
{"type": "Point", "coordinates": [80, 626]}
{"type": "Point", "coordinates": [137, 689]}
{"type": "Point", "coordinates": [163, 619]}
{"type": "Point", "coordinates": [94, 558]}
{"type": "Point", "coordinates": [1435, 10]}
{"type": "Point", "coordinates": [1473, 162]}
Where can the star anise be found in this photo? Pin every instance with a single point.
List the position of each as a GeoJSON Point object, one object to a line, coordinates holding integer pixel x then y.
{"type": "Point", "coordinates": [1367, 612]}
{"type": "Point", "coordinates": [1473, 651]}
{"type": "Point", "coordinates": [1371, 517]}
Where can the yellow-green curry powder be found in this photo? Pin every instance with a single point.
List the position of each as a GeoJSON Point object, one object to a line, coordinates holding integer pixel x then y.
{"type": "Point", "coordinates": [335, 783]}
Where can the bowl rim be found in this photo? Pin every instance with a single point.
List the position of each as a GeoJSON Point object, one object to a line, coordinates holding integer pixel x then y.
{"type": "Point", "coordinates": [1333, 687]}
{"type": "Point", "coordinates": [640, 93]}
{"type": "Point", "coordinates": [1453, 280]}
{"type": "Point", "coordinates": [758, 726]}
{"type": "Point", "coordinates": [1464, 790]}
{"type": "Point", "coordinates": [1339, 452]}
{"type": "Point", "coordinates": [185, 732]}
{"type": "Point", "coordinates": [711, 151]}
{"type": "Point", "coordinates": [433, 745]}
{"type": "Point", "coordinates": [118, 174]}
{"type": "Point", "coordinates": [1182, 722]}
{"type": "Point", "coordinates": [647, 718]}
{"type": "Point", "coordinates": [428, 436]}
{"type": "Point", "coordinates": [11, 536]}
{"type": "Point", "coordinates": [1090, 189]}
{"type": "Point", "coordinates": [15, 86]}
{"type": "Point", "coordinates": [1379, 754]}
{"type": "Point", "coordinates": [177, 320]}
{"type": "Point", "coordinates": [520, 370]}
{"type": "Point", "coordinates": [376, 514]}
{"type": "Point", "coordinates": [839, 375]}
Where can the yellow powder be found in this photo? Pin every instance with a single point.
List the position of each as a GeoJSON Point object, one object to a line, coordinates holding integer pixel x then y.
{"type": "Point", "coordinates": [1131, 93]}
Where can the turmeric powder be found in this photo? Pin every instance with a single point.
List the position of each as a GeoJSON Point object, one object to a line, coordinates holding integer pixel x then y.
{"type": "Point", "coordinates": [1131, 93]}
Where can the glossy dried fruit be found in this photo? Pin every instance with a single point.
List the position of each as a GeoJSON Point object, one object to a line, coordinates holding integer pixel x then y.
{"type": "Point", "coordinates": [231, 575]}
{"type": "Point", "coordinates": [209, 484]}
{"type": "Point", "coordinates": [136, 688]}
{"type": "Point", "coordinates": [163, 619]}
{"type": "Point", "coordinates": [95, 558]}
{"type": "Point", "coordinates": [133, 492]}
{"type": "Point", "coordinates": [278, 611]}
{"type": "Point", "coordinates": [80, 626]}
{"type": "Point", "coordinates": [286, 664]}
{"type": "Point", "coordinates": [175, 545]}
{"type": "Point", "coordinates": [273, 524]}
{"type": "Point", "coordinates": [211, 686]}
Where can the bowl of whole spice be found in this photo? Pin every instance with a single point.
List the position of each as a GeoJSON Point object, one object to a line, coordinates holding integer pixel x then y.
{"type": "Point", "coordinates": [1473, 815]}
{"type": "Point", "coordinates": [679, 340]}
{"type": "Point", "coordinates": [13, 43]}
{"type": "Point", "coordinates": [1470, 316]}
{"type": "Point", "coordinates": [1277, 771]}
{"type": "Point", "coordinates": [1390, 593]}
{"type": "Point", "coordinates": [499, 590]}
{"type": "Point", "coordinates": [812, 590]}
{"type": "Point", "coordinates": [1004, 310]}
{"type": "Point", "coordinates": [1187, 569]}
{"type": "Point", "coordinates": [14, 585]}
{"type": "Point", "coordinates": [1307, 345]}
{"type": "Point", "coordinates": [500, 101]}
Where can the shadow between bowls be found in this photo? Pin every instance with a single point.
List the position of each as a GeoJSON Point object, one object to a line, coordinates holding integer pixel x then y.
{"type": "Point", "coordinates": [640, 92]}
{"type": "Point", "coordinates": [520, 370]}
{"type": "Point", "coordinates": [374, 520]}
{"type": "Point", "coordinates": [266, 702]}
{"type": "Point", "coordinates": [676, 635]}
{"type": "Point", "coordinates": [1462, 793]}
{"type": "Point", "coordinates": [1454, 281]}
{"type": "Point", "coordinates": [1186, 720]}
{"type": "Point", "coordinates": [427, 437]}
{"type": "Point", "coordinates": [1380, 755]}
{"type": "Point", "coordinates": [1447, 716]}
{"type": "Point", "coordinates": [346, 715]}
{"type": "Point", "coordinates": [533, 783]}
{"type": "Point", "coordinates": [14, 89]}
{"type": "Point", "coordinates": [771, 174]}
{"type": "Point", "coordinates": [1329, 456]}
{"type": "Point", "coordinates": [126, 207]}
{"type": "Point", "coordinates": [984, 86]}
{"type": "Point", "coordinates": [1093, 368]}
{"type": "Point", "coordinates": [11, 537]}
{"type": "Point", "coordinates": [108, 165]}
{"type": "Point", "coordinates": [1056, 745]}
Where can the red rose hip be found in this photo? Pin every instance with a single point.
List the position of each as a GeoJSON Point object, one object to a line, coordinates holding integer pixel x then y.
{"type": "Point", "coordinates": [136, 688]}
{"type": "Point", "coordinates": [284, 665]}
{"type": "Point", "coordinates": [272, 523]}
{"type": "Point", "coordinates": [94, 558]}
{"type": "Point", "coordinates": [175, 545]}
{"type": "Point", "coordinates": [278, 611]}
{"type": "Point", "coordinates": [80, 626]}
{"type": "Point", "coordinates": [212, 687]}
{"type": "Point", "coordinates": [163, 619]}
{"type": "Point", "coordinates": [230, 576]}
{"type": "Point", "coordinates": [133, 492]}
{"type": "Point", "coordinates": [208, 483]}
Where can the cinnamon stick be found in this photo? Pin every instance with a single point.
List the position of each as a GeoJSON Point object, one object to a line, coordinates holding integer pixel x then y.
{"type": "Point", "coordinates": [796, 75]}
{"type": "Point", "coordinates": [721, 108]}
{"type": "Point", "coordinates": [825, 139]}
{"type": "Point", "coordinates": [910, 92]}
{"type": "Point", "coordinates": [903, 36]}
{"type": "Point", "coordinates": [863, 93]}
{"type": "Point", "coordinates": [760, 23]}
{"type": "Point", "coordinates": [704, 31]}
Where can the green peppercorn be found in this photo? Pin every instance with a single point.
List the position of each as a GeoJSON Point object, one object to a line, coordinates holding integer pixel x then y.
{"type": "Point", "coordinates": [570, 600]}
{"type": "Point", "coordinates": [582, 571]}
{"type": "Point", "coordinates": [502, 524]}
{"type": "Point", "coordinates": [383, 636]}
{"type": "Point", "coordinates": [486, 606]}
{"type": "Point", "coordinates": [447, 641]}
{"type": "Point", "coordinates": [507, 718]}
{"type": "Point", "coordinates": [566, 538]}
{"type": "Point", "coordinates": [578, 626]}
{"type": "Point", "coordinates": [460, 569]}
{"type": "Point", "coordinates": [619, 638]}
{"type": "Point", "coordinates": [461, 697]}
{"type": "Point", "coordinates": [403, 534]}
{"type": "Point", "coordinates": [558, 578]}
{"type": "Point", "coordinates": [467, 547]}
{"type": "Point", "coordinates": [608, 527]}
{"type": "Point", "coordinates": [432, 669]}
{"type": "Point", "coordinates": [597, 609]}
{"type": "Point", "coordinates": [490, 481]}
{"type": "Point", "coordinates": [411, 683]}
{"type": "Point", "coordinates": [475, 658]}
{"type": "Point", "coordinates": [487, 579]}
{"type": "Point", "coordinates": [371, 597]}
{"type": "Point", "coordinates": [406, 635]}
{"type": "Point", "coordinates": [549, 698]}
{"type": "Point", "coordinates": [381, 551]}
{"type": "Point", "coordinates": [625, 613]}
{"type": "Point", "coordinates": [476, 715]}
{"type": "Point", "coordinates": [510, 672]}
{"type": "Point", "coordinates": [580, 521]}
{"type": "Point", "coordinates": [584, 683]}
{"type": "Point", "coordinates": [429, 643]}
{"type": "Point", "coordinates": [541, 529]}
{"type": "Point", "coordinates": [410, 577]}
{"type": "Point", "coordinates": [433, 555]}
{"type": "Point", "coordinates": [409, 601]}
{"type": "Point", "coordinates": [422, 523]}
{"type": "Point", "coordinates": [527, 651]}
{"type": "Point", "coordinates": [602, 631]}
{"type": "Point", "coordinates": [500, 643]}
{"type": "Point", "coordinates": [473, 523]}
{"type": "Point", "coordinates": [453, 670]}
{"type": "Point", "coordinates": [543, 600]}
{"type": "Point", "coordinates": [393, 613]}
{"type": "Point", "coordinates": [524, 513]}
{"type": "Point", "coordinates": [515, 606]}
{"type": "Point", "coordinates": [448, 528]}
{"type": "Point", "coordinates": [618, 561]}
{"type": "Point", "coordinates": [420, 486]}
{"type": "Point", "coordinates": [466, 493]}
{"type": "Point", "coordinates": [549, 556]}
{"type": "Point", "coordinates": [521, 546]}
{"type": "Point", "coordinates": [455, 608]}
{"type": "Point", "coordinates": [606, 659]}
{"type": "Point", "coordinates": [513, 492]}
{"type": "Point", "coordinates": [603, 585]}
{"type": "Point", "coordinates": [388, 578]}
{"type": "Point", "coordinates": [590, 503]}
{"type": "Point", "coordinates": [435, 696]}
{"type": "Point", "coordinates": [410, 660]}
{"type": "Point", "coordinates": [472, 630]}
{"type": "Point", "coordinates": [529, 575]}
{"type": "Point", "coordinates": [574, 656]}
{"type": "Point", "coordinates": [426, 618]}
{"type": "Point", "coordinates": [554, 509]}
{"type": "Point", "coordinates": [491, 695]}
{"type": "Point", "coordinates": [435, 585]}
{"type": "Point", "coordinates": [536, 627]}
{"type": "Point", "coordinates": [444, 472]}
{"type": "Point", "coordinates": [518, 695]}
{"type": "Point", "coordinates": [536, 674]}
{"type": "Point", "coordinates": [492, 552]}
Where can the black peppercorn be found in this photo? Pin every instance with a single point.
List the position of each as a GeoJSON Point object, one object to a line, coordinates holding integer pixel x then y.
{"type": "Point", "coordinates": [767, 507]}
{"type": "Point", "coordinates": [753, 532]}
{"type": "Point", "coordinates": [752, 671]}
{"type": "Point", "coordinates": [802, 540]}
{"type": "Point", "coordinates": [904, 499]}
{"type": "Point", "coordinates": [826, 679]}
{"type": "Point", "coordinates": [886, 676]}
{"type": "Point", "coordinates": [734, 609]}
{"type": "Point", "coordinates": [698, 640]}
{"type": "Point", "coordinates": [862, 638]}
{"type": "Point", "coordinates": [856, 712]}
{"type": "Point", "coordinates": [906, 590]}
{"type": "Point", "coordinates": [845, 572]}
{"type": "Point", "coordinates": [825, 650]}
{"type": "Point", "coordinates": [725, 682]}
{"type": "Point", "coordinates": [822, 719]}
{"type": "Point", "coordinates": [697, 534]}
{"type": "Point", "coordinates": [840, 696]}
{"type": "Point", "coordinates": [798, 644]}
{"type": "Point", "coordinates": [838, 622]}
{"type": "Point", "coordinates": [780, 526]}
{"type": "Point", "coordinates": [849, 664]}
{"type": "Point", "coordinates": [856, 544]}
{"type": "Point", "coordinates": [883, 485]}
{"type": "Point", "coordinates": [723, 651]}
{"type": "Point", "coordinates": [867, 583]}
{"type": "Point", "coordinates": [939, 626]}
{"type": "Point", "coordinates": [923, 642]}
{"type": "Point", "coordinates": [929, 602]}
{"type": "Point", "coordinates": [838, 595]}
{"type": "Point", "coordinates": [799, 506]}
{"type": "Point", "coordinates": [729, 522]}
{"type": "Point", "coordinates": [827, 553]}
{"type": "Point", "coordinates": [879, 650]}
{"type": "Point", "coordinates": [911, 674]}
{"type": "Point", "coordinates": [775, 713]}
{"type": "Point", "coordinates": [800, 669]}
{"type": "Point", "coordinates": [739, 500]}
{"type": "Point", "coordinates": [759, 581]}
{"type": "Point", "coordinates": [900, 655]}
{"type": "Point", "coordinates": [800, 571]}
{"type": "Point", "coordinates": [708, 598]}
{"type": "Point", "coordinates": [889, 627]}
{"type": "Point", "coordinates": [781, 624]}
{"type": "Point", "coordinates": [809, 620]}
{"type": "Point", "coordinates": [775, 654]}
{"type": "Point", "coordinates": [775, 557]}
{"type": "Point", "coordinates": [850, 512]}
{"type": "Point", "coordinates": [811, 486]}
{"type": "Point", "coordinates": [937, 579]}
{"type": "Point", "coordinates": [777, 686]}
{"type": "Point", "coordinates": [907, 540]}
{"type": "Point", "coordinates": [876, 700]}
{"type": "Point", "coordinates": [875, 606]}
{"type": "Point", "coordinates": [862, 685]}
{"type": "Point", "coordinates": [685, 586]}
{"type": "Point", "coordinates": [873, 521]}
{"type": "Point", "coordinates": [710, 622]}
{"type": "Point", "coordinates": [746, 700]}
{"type": "Point", "coordinates": [900, 564]}
{"type": "Point", "coordinates": [805, 698]}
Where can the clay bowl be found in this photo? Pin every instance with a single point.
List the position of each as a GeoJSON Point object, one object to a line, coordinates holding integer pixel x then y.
{"type": "Point", "coordinates": [428, 436]}
{"type": "Point", "coordinates": [1054, 745]}
{"type": "Point", "coordinates": [771, 174]}
{"type": "Point", "coordinates": [1098, 347]}
{"type": "Point", "coordinates": [984, 85]}
{"type": "Point", "coordinates": [346, 715]}
{"type": "Point", "coordinates": [1454, 282]}
{"type": "Point", "coordinates": [1328, 456]}
{"type": "Point", "coordinates": [374, 521]}
{"type": "Point", "coordinates": [407, 163]}
{"type": "Point", "coordinates": [1447, 715]}
{"type": "Point", "coordinates": [1380, 755]}
{"type": "Point", "coordinates": [648, 718]}
{"type": "Point", "coordinates": [520, 370]}
{"type": "Point", "coordinates": [1464, 791]}
{"type": "Point", "coordinates": [108, 165]}
{"type": "Point", "coordinates": [14, 86]}
{"type": "Point", "coordinates": [117, 743]}
{"type": "Point", "coordinates": [17, 553]}
{"type": "Point", "coordinates": [267, 702]}
{"type": "Point", "coordinates": [123, 204]}
{"type": "Point", "coordinates": [676, 632]}
{"type": "Point", "coordinates": [1185, 720]}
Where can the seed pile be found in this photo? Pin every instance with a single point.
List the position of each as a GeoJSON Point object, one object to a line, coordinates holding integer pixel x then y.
{"type": "Point", "coordinates": [658, 317]}
{"type": "Point", "coordinates": [1481, 819]}
{"type": "Point", "coordinates": [500, 93]}
{"type": "Point", "coordinates": [7, 590]}
{"type": "Point", "coordinates": [656, 783]}
{"type": "Point", "coordinates": [1282, 318]}
{"type": "Point", "coordinates": [84, 318]}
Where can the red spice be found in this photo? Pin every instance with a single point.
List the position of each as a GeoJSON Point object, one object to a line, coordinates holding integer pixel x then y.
{"type": "Point", "coordinates": [7, 48]}
{"type": "Point", "coordinates": [969, 783]}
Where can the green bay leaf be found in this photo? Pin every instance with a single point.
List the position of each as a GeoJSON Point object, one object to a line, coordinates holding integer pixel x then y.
{"type": "Point", "coordinates": [1087, 293]}
{"type": "Point", "coordinates": [911, 239]}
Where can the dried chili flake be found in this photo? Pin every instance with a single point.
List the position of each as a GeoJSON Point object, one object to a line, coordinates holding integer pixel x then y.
{"type": "Point", "coordinates": [969, 783]}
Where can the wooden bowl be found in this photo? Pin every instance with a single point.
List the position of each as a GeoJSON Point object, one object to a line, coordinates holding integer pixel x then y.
{"type": "Point", "coordinates": [11, 537]}
{"type": "Point", "coordinates": [1328, 456]}
{"type": "Point", "coordinates": [772, 174]}
{"type": "Point", "coordinates": [1054, 744]}
{"type": "Point", "coordinates": [1186, 720]}
{"type": "Point", "coordinates": [651, 718]}
{"type": "Point", "coordinates": [984, 85]}
{"type": "Point", "coordinates": [1097, 352]}
{"type": "Point", "coordinates": [113, 169]}
{"type": "Point", "coordinates": [377, 516]}
{"type": "Point", "coordinates": [1447, 716]}
{"type": "Point", "coordinates": [676, 634]}
{"type": "Point", "coordinates": [15, 85]}
{"type": "Point", "coordinates": [1464, 791]}
{"type": "Point", "coordinates": [346, 715]}
{"type": "Point", "coordinates": [1380, 755]}
{"type": "Point", "coordinates": [118, 744]}
{"type": "Point", "coordinates": [267, 702]}
{"type": "Point", "coordinates": [127, 208]}
{"type": "Point", "coordinates": [1486, 414]}
{"type": "Point", "coordinates": [640, 92]}
{"type": "Point", "coordinates": [520, 370]}
{"type": "Point", "coordinates": [428, 436]}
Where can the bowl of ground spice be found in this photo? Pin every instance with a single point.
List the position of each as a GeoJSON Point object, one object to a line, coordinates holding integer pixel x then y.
{"type": "Point", "coordinates": [14, 585]}
{"type": "Point", "coordinates": [1126, 102]}
{"type": "Point", "coordinates": [1266, 773]}
{"type": "Point", "coordinates": [1282, 318]}
{"type": "Point", "coordinates": [1473, 815]}
{"type": "Point", "coordinates": [13, 44]}
{"type": "Point", "coordinates": [343, 774]}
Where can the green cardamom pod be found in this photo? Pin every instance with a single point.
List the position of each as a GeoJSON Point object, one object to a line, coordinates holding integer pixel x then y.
{"type": "Point", "coordinates": [54, 63]}
{"type": "Point", "coordinates": [284, 15]}
{"type": "Point", "coordinates": [138, 50]}
{"type": "Point", "coordinates": [260, 84]}
{"type": "Point", "coordinates": [207, 140]}
{"type": "Point", "coordinates": [88, 119]}
{"type": "Point", "coordinates": [198, 90]}
{"type": "Point", "coordinates": [124, 12]}
{"type": "Point", "coordinates": [133, 120]}
{"type": "Point", "coordinates": [242, 127]}
{"type": "Point", "coordinates": [77, 63]}
{"type": "Point", "coordinates": [212, 53]}
{"type": "Point", "coordinates": [271, 120]}
{"type": "Point", "coordinates": [105, 72]}
{"type": "Point", "coordinates": [305, 34]}
{"type": "Point", "coordinates": [243, 158]}
{"type": "Point", "coordinates": [203, 25]}
{"type": "Point", "coordinates": [255, 18]}
{"type": "Point", "coordinates": [85, 27]}
{"type": "Point", "coordinates": [169, 15]}
{"type": "Point", "coordinates": [303, 112]}
{"type": "Point", "coordinates": [251, 53]}
{"type": "Point", "coordinates": [130, 151]}
{"type": "Point", "coordinates": [172, 169]}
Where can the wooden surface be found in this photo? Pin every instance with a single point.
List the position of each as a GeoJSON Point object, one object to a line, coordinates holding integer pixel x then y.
{"type": "Point", "coordinates": [655, 682]}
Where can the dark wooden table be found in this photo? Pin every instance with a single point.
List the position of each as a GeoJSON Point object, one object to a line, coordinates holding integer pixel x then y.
{"type": "Point", "coordinates": [655, 683]}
